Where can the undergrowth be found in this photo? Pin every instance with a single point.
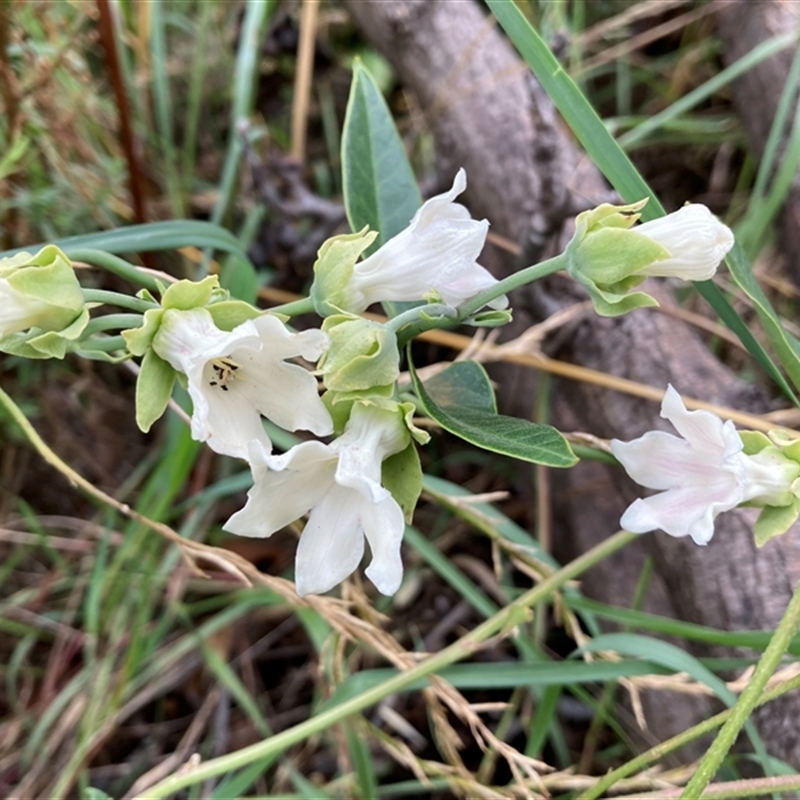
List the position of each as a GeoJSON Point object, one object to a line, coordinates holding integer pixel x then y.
{"type": "Point", "coordinates": [127, 661]}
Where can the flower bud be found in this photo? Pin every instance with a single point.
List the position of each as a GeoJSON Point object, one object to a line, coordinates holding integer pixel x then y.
{"type": "Point", "coordinates": [38, 291]}
{"type": "Point", "coordinates": [42, 308]}
{"type": "Point", "coordinates": [609, 257]}
{"type": "Point", "coordinates": [362, 355]}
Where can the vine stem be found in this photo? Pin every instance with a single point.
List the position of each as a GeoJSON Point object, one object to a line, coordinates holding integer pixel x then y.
{"type": "Point", "coordinates": [505, 619]}
{"type": "Point", "coordinates": [111, 263]}
{"type": "Point", "coordinates": [679, 740]}
{"type": "Point", "coordinates": [104, 297]}
{"type": "Point", "coordinates": [293, 309]}
{"type": "Point", "coordinates": [519, 278]}
{"type": "Point", "coordinates": [112, 322]}
{"type": "Point", "coordinates": [748, 700]}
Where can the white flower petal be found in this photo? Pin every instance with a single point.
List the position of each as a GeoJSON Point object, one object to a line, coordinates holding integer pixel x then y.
{"type": "Point", "coordinates": [437, 252]}
{"type": "Point", "coordinates": [285, 487]}
{"type": "Point", "coordinates": [310, 344]}
{"type": "Point", "coordinates": [696, 239]}
{"type": "Point", "coordinates": [371, 436]}
{"type": "Point", "coordinates": [384, 526]}
{"type": "Point", "coordinates": [704, 474]}
{"type": "Point", "coordinates": [19, 311]}
{"type": "Point", "coordinates": [340, 484]}
{"type": "Point", "coordinates": [225, 420]}
{"type": "Point", "coordinates": [659, 460]}
{"type": "Point", "coordinates": [471, 282]}
{"type": "Point", "coordinates": [332, 543]}
{"type": "Point", "coordinates": [683, 512]}
{"type": "Point", "coordinates": [704, 430]}
{"type": "Point", "coordinates": [285, 393]}
{"type": "Point", "coordinates": [237, 377]}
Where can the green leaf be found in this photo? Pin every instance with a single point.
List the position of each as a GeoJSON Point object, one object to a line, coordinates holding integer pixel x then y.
{"type": "Point", "coordinates": [774, 521]}
{"type": "Point", "coordinates": [150, 237]}
{"type": "Point", "coordinates": [510, 436]}
{"type": "Point", "coordinates": [786, 346]}
{"type": "Point", "coordinates": [507, 675]}
{"type": "Point", "coordinates": [401, 474]}
{"type": "Point", "coordinates": [673, 658]}
{"type": "Point", "coordinates": [380, 190]}
{"type": "Point", "coordinates": [240, 278]}
{"type": "Point", "coordinates": [463, 383]}
{"type": "Point", "coordinates": [153, 389]}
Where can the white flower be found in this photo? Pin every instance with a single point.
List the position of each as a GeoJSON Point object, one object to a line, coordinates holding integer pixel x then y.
{"type": "Point", "coordinates": [19, 311]}
{"type": "Point", "coordinates": [38, 291]}
{"type": "Point", "coordinates": [236, 377]}
{"type": "Point", "coordinates": [701, 474]}
{"type": "Point", "coordinates": [696, 239]}
{"type": "Point", "coordinates": [340, 484]}
{"type": "Point", "coordinates": [437, 252]}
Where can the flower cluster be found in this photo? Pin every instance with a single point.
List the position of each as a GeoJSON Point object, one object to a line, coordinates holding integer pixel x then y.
{"type": "Point", "coordinates": [244, 368]}
{"type": "Point", "coordinates": [706, 470]}
{"type": "Point", "coordinates": [239, 368]}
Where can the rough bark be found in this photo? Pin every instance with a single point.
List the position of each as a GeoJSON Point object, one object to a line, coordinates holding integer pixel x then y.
{"type": "Point", "coordinates": [526, 176]}
{"type": "Point", "coordinates": [743, 26]}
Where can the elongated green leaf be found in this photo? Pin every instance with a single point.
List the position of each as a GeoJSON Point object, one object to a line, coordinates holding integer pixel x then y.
{"type": "Point", "coordinates": [786, 346]}
{"type": "Point", "coordinates": [758, 54]}
{"type": "Point", "coordinates": [148, 238]}
{"type": "Point", "coordinates": [463, 383]}
{"type": "Point", "coordinates": [673, 658]}
{"type": "Point", "coordinates": [609, 156]}
{"type": "Point", "coordinates": [379, 185]}
{"type": "Point", "coordinates": [510, 436]}
{"type": "Point", "coordinates": [236, 783]}
{"type": "Point", "coordinates": [757, 640]}
{"type": "Point", "coordinates": [257, 14]}
{"type": "Point", "coordinates": [447, 493]}
{"type": "Point", "coordinates": [509, 675]}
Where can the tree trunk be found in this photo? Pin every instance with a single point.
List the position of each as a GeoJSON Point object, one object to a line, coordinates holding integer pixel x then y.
{"type": "Point", "coordinates": [527, 177]}
{"type": "Point", "coordinates": [743, 26]}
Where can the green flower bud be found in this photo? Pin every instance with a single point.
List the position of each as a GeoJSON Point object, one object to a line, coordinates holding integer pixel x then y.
{"type": "Point", "coordinates": [41, 304]}
{"type": "Point", "coordinates": [362, 355]}
{"type": "Point", "coordinates": [331, 291]}
{"type": "Point", "coordinates": [609, 257]}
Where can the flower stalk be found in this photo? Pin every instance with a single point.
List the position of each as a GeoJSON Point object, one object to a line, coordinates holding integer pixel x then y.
{"type": "Point", "coordinates": [748, 700]}
{"type": "Point", "coordinates": [520, 278]}
{"type": "Point", "coordinates": [115, 264]}
{"type": "Point", "coordinates": [118, 299]}
{"type": "Point", "coordinates": [505, 619]}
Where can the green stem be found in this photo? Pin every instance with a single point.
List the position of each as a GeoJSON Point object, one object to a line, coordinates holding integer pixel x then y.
{"type": "Point", "coordinates": [432, 314]}
{"type": "Point", "coordinates": [105, 344]}
{"type": "Point", "coordinates": [295, 308]}
{"type": "Point", "coordinates": [509, 616]}
{"type": "Point", "coordinates": [520, 278]}
{"type": "Point", "coordinates": [119, 266]}
{"type": "Point", "coordinates": [747, 701]}
{"type": "Point", "coordinates": [680, 740]}
{"type": "Point", "coordinates": [110, 322]}
{"type": "Point", "coordinates": [117, 299]}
